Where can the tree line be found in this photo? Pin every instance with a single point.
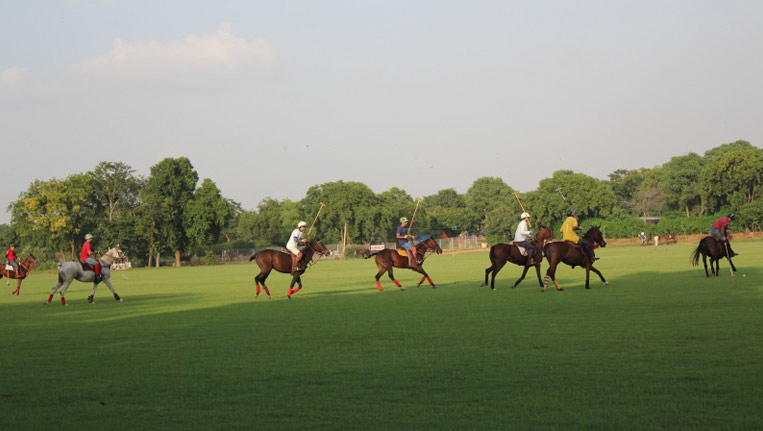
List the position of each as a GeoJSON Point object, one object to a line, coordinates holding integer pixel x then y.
{"type": "Point", "coordinates": [171, 213]}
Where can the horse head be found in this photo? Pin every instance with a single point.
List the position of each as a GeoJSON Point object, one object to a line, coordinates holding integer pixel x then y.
{"type": "Point", "coordinates": [317, 246]}
{"type": "Point", "coordinates": [544, 234]}
{"type": "Point", "coordinates": [31, 261]}
{"type": "Point", "coordinates": [115, 253]}
{"type": "Point", "coordinates": [426, 242]}
{"type": "Point", "coordinates": [595, 236]}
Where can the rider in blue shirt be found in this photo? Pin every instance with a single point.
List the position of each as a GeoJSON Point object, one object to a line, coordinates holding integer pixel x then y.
{"type": "Point", "coordinates": [403, 237]}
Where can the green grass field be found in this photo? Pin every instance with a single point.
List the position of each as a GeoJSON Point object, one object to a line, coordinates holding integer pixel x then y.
{"type": "Point", "coordinates": [661, 347]}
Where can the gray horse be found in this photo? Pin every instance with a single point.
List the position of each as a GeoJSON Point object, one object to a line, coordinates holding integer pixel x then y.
{"type": "Point", "coordinates": [70, 271]}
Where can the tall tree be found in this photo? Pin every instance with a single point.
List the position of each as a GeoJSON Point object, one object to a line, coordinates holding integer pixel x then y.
{"type": "Point", "coordinates": [115, 184]}
{"type": "Point", "coordinates": [733, 178]}
{"type": "Point", "coordinates": [487, 193]}
{"type": "Point", "coordinates": [169, 189]}
{"type": "Point", "coordinates": [679, 179]}
{"type": "Point", "coordinates": [207, 214]}
{"type": "Point", "coordinates": [351, 202]}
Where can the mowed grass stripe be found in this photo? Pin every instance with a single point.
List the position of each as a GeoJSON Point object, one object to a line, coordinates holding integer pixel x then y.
{"type": "Point", "coordinates": [661, 347]}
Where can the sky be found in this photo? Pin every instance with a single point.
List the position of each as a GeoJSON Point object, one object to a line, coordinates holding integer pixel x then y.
{"type": "Point", "coordinates": [268, 98]}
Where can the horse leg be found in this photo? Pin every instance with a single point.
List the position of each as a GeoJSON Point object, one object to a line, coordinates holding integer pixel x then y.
{"type": "Point", "coordinates": [17, 292]}
{"type": "Point", "coordinates": [606, 283]}
{"type": "Point", "coordinates": [551, 274]}
{"type": "Point", "coordinates": [64, 288]}
{"type": "Point", "coordinates": [54, 289]}
{"type": "Point", "coordinates": [496, 268]}
{"type": "Point", "coordinates": [378, 276]}
{"type": "Point", "coordinates": [107, 282]}
{"type": "Point", "coordinates": [392, 277]}
{"type": "Point", "coordinates": [704, 262]}
{"type": "Point", "coordinates": [733, 268]}
{"type": "Point", "coordinates": [537, 272]}
{"type": "Point", "coordinates": [299, 283]}
{"type": "Point", "coordinates": [587, 275]}
{"type": "Point", "coordinates": [487, 271]}
{"type": "Point", "coordinates": [425, 276]}
{"type": "Point", "coordinates": [524, 272]}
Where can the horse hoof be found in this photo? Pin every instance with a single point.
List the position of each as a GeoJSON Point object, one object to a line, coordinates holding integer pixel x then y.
{"type": "Point", "coordinates": [606, 283]}
{"type": "Point", "coordinates": [434, 287]}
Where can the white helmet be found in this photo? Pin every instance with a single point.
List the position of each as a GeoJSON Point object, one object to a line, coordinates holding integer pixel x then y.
{"type": "Point", "coordinates": [524, 215]}
{"type": "Point", "coordinates": [302, 223]}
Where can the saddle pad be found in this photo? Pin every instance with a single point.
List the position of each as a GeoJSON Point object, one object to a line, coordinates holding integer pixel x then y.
{"type": "Point", "coordinates": [402, 252]}
{"type": "Point", "coordinates": [522, 250]}
{"type": "Point", "coordinates": [8, 267]}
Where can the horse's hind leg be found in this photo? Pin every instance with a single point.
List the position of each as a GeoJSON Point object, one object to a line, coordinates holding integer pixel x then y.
{"type": "Point", "coordinates": [522, 277]}
{"type": "Point", "coordinates": [392, 277]}
{"type": "Point", "coordinates": [704, 262]}
{"type": "Point", "coordinates": [378, 276]}
{"type": "Point", "coordinates": [496, 269]}
{"type": "Point", "coordinates": [551, 275]}
{"type": "Point", "coordinates": [487, 272]}
{"type": "Point", "coordinates": [53, 290]}
{"type": "Point", "coordinates": [537, 272]}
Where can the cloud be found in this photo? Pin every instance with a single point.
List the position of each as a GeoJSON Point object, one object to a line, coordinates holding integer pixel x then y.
{"type": "Point", "coordinates": [12, 76]}
{"type": "Point", "coordinates": [221, 52]}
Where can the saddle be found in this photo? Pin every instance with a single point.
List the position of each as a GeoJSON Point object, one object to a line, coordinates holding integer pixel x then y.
{"type": "Point", "coordinates": [522, 250]}
{"type": "Point", "coordinates": [87, 267]}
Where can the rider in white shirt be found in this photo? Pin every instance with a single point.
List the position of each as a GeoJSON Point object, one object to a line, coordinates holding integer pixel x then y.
{"type": "Point", "coordinates": [522, 236]}
{"type": "Point", "coordinates": [297, 236]}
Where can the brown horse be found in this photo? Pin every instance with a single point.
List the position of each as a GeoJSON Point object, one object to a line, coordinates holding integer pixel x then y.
{"type": "Point", "coordinates": [269, 260]}
{"type": "Point", "coordinates": [25, 268]}
{"type": "Point", "coordinates": [388, 258]}
{"type": "Point", "coordinates": [573, 255]}
{"type": "Point", "coordinates": [709, 246]}
{"type": "Point", "coordinates": [668, 238]}
{"type": "Point", "coordinates": [502, 253]}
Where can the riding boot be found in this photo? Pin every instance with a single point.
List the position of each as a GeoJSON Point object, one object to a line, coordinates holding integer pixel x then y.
{"type": "Point", "coordinates": [530, 258]}
{"type": "Point", "coordinates": [416, 255]}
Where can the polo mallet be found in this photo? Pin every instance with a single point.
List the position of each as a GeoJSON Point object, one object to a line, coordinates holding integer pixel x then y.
{"type": "Point", "coordinates": [560, 192]}
{"type": "Point", "coordinates": [315, 219]}
{"type": "Point", "coordinates": [728, 254]}
{"type": "Point", "coordinates": [516, 195]}
{"type": "Point", "coordinates": [413, 218]}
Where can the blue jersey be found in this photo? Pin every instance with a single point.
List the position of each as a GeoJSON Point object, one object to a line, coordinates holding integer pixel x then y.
{"type": "Point", "coordinates": [402, 231]}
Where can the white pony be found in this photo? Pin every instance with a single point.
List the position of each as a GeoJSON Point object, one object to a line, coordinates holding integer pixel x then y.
{"type": "Point", "coordinates": [69, 271]}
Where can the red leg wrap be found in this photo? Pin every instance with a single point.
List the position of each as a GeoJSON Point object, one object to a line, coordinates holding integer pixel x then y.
{"type": "Point", "coordinates": [50, 298]}
{"type": "Point", "coordinates": [378, 284]}
{"type": "Point", "coordinates": [430, 280]}
{"type": "Point", "coordinates": [397, 283]}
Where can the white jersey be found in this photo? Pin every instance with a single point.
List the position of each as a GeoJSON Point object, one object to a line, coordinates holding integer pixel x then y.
{"type": "Point", "coordinates": [294, 238]}
{"type": "Point", "coordinates": [522, 232]}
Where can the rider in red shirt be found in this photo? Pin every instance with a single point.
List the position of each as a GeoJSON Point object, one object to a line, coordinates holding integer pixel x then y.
{"type": "Point", "coordinates": [86, 255]}
{"type": "Point", "coordinates": [11, 258]}
{"type": "Point", "coordinates": [719, 231]}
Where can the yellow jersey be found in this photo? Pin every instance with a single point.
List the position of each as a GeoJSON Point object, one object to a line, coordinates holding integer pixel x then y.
{"type": "Point", "coordinates": [568, 230]}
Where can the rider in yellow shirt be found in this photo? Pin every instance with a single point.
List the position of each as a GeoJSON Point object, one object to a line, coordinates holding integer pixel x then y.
{"type": "Point", "coordinates": [569, 233]}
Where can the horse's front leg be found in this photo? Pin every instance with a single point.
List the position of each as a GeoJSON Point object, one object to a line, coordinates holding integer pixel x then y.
{"type": "Point", "coordinates": [587, 275]}
{"type": "Point", "coordinates": [17, 292]}
{"type": "Point", "coordinates": [733, 268]}
{"type": "Point", "coordinates": [107, 282]}
{"type": "Point", "coordinates": [294, 279]}
{"type": "Point", "coordinates": [606, 283]}
{"type": "Point", "coordinates": [425, 277]}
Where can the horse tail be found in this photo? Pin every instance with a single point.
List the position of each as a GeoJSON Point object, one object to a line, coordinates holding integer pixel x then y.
{"type": "Point", "coordinates": [254, 256]}
{"type": "Point", "coordinates": [695, 254]}
{"type": "Point", "coordinates": [370, 255]}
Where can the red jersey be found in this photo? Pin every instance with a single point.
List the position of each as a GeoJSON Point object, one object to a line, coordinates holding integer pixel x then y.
{"type": "Point", "coordinates": [11, 255]}
{"type": "Point", "coordinates": [721, 223]}
{"type": "Point", "coordinates": [85, 253]}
